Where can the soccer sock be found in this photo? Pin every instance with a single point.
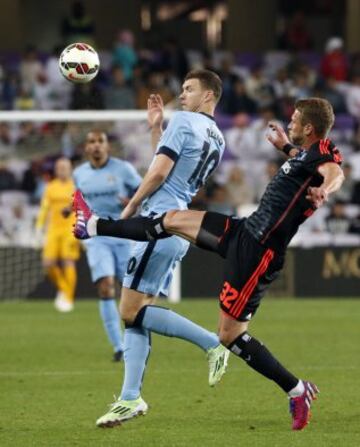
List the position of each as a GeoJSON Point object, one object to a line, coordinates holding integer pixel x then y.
{"type": "Point", "coordinates": [111, 320]}
{"type": "Point", "coordinates": [136, 352]}
{"type": "Point", "coordinates": [70, 276]}
{"type": "Point", "coordinates": [56, 276]}
{"type": "Point", "coordinates": [260, 358]}
{"type": "Point", "coordinates": [212, 229]}
{"type": "Point", "coordinates": [298, 390]}
{"type": "Point", "coordinates": [137, 228]}
{"type": "Point", "coordinates": [166, 322]}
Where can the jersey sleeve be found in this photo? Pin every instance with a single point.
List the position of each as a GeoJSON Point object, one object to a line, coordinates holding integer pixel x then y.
{"type": "Point", "coordinates": [320, 153]}
{"type": "Point", "coordinates": [133, 179]}
{"type": "Point", "coordinates": [174, 137]}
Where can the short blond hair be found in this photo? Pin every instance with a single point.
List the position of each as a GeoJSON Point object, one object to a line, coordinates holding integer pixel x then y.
{"type": "Point", "coordinates": [318, 112]}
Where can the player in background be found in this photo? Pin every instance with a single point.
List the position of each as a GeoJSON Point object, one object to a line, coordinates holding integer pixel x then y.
{"type": "Point", "coordinates": [60, 250]}
{"type": "Point", "coordinates": [254, 248]}
{"type": "Point", "coordinates": [187, 152]}
{"type": "Point", "coordinates": [107, 183]}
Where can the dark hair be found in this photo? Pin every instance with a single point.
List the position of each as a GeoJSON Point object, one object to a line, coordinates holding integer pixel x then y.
{"type": "Point", "coordinates": [96, 130]}
{"type": "Point", "coordinates": [318, 112]}
{"type": "Point", "coordinates": [208, 79]}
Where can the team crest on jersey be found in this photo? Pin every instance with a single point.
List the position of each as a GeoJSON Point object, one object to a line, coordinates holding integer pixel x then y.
{"type": "Point", "coordinates": [111, 179]}
{"type": "Point", "coordinates": [286, 167]}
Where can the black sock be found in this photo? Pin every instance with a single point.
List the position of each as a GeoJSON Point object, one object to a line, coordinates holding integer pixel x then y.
{"type": "Point", "coordinates": [260, 358]}
{"type": "Point", "coordinates": [211, 231]}
{"type": "Point", "coordinates": [137, 228]}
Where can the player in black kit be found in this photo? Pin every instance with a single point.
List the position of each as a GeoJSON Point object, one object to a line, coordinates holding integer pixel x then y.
{"type": "Point", "coordinates": [254, 247]}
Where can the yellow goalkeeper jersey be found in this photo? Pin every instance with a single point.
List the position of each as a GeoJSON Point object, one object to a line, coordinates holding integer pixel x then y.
{"type": "Point", "coordinates": [56, 198]}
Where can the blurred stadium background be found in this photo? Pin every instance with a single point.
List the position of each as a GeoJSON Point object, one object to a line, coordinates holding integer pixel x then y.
{"type": "Point", "coordinates": [267, 60]}
{"type": "Point", "coordinates": [268, 53]}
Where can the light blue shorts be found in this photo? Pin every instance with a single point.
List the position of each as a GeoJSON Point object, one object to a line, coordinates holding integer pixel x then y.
{"type": "Point", "coordinates": [151, 265]}
{"type": "Point", "coordinates": [108, 256]}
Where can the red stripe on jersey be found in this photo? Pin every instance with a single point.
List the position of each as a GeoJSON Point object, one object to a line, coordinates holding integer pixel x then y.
{"type": "Point", "coordinates": [286, 212]}
{"type": "Point", "coordinates": [249, 287]}
{"type": "Point", "coordinates": [324, 146]}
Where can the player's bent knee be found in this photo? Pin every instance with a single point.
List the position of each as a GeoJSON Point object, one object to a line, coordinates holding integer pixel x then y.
{"type": "Point", "coordinates": [225, 338]}
{"type": "Point", "coordinates": [106, 287]}
{"type": "Point", "coordinates": [129, 312]}
{"type": "Point", "coordinates": [229, 332]}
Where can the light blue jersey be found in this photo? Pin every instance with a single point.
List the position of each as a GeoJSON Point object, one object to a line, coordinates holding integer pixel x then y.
{"type": "Point", "coordinates": [196, 145]}
{"type": "Point", "coordinates": [104, 189]}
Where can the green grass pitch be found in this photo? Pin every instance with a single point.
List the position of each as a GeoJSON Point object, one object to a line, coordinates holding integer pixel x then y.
{"type": "Point", "coordinates": [56, 378]}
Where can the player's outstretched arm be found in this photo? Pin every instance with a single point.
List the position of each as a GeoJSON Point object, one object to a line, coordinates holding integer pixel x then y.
{"type": "Point", "coordinates": [333, 178]}
{"type": "Point", "coordinates": [155, 107]}
{"type": "Point", "coordinates": [156, 175]}
{"type": "Point", "coordinates": [277, 136]}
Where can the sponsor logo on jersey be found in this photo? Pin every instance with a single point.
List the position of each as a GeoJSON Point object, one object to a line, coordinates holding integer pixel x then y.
{"type": "Point", "coordinates": [286, 167]}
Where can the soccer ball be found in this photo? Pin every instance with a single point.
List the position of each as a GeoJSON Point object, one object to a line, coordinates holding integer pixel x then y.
{"type": "Point", "coordinates": [79, 63]}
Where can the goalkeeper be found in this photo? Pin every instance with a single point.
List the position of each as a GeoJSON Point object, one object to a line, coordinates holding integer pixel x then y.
{"type": "Point", "coordinates": [53, 227]}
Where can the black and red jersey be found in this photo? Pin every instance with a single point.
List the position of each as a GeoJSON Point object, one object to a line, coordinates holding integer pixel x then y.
{"type": "Point", "coordinates": [283, 206]}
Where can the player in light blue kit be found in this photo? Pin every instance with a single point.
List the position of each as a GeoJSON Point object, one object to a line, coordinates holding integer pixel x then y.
{"type": "Point", "coordinates": [186, 154]}
{"type": "Point", "coordinates": [107, 184]}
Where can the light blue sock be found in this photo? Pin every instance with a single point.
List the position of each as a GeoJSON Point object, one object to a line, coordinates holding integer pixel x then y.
{"type": "Point", "coordinates": [136, 352]}
{"type": "Point", "coordinates": [166, 322]}
{"type": "Point", "coordinates": [111, 319]}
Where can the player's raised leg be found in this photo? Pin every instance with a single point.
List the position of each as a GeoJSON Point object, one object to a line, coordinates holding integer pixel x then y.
{"type": "Point", "coordinates": [186, 224]}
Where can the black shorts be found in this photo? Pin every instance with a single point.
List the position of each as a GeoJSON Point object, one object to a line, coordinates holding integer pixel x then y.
{"type": "Point", "coordinates": [250, 268]}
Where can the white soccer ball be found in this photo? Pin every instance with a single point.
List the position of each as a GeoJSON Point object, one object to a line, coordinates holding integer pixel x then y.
{"type": "Point", "coordinates": [79, 63]}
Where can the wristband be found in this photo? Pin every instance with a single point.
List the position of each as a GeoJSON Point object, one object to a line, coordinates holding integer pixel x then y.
{"type": "Point", "coordinates": [287, 148]}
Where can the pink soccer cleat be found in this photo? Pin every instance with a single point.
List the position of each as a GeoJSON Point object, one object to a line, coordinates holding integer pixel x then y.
{"type": "Point", "coordinates": [83, 214]}
{"type": "Point", "coordinates": [300, 406]}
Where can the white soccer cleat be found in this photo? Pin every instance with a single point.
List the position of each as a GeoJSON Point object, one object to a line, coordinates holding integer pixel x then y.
{"type": "Point", "coordinates": [218, 360]}
{"type": "Point", "coordinates": [62, 304]}
{"type": "Point", "coordinates": [121, 411]}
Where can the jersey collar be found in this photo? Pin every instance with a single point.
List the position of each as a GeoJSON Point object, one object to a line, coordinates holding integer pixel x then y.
{"type": "Point", "coordinates": [102, 166]}
{"type": "Point", "coordinates": [209, 116]}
